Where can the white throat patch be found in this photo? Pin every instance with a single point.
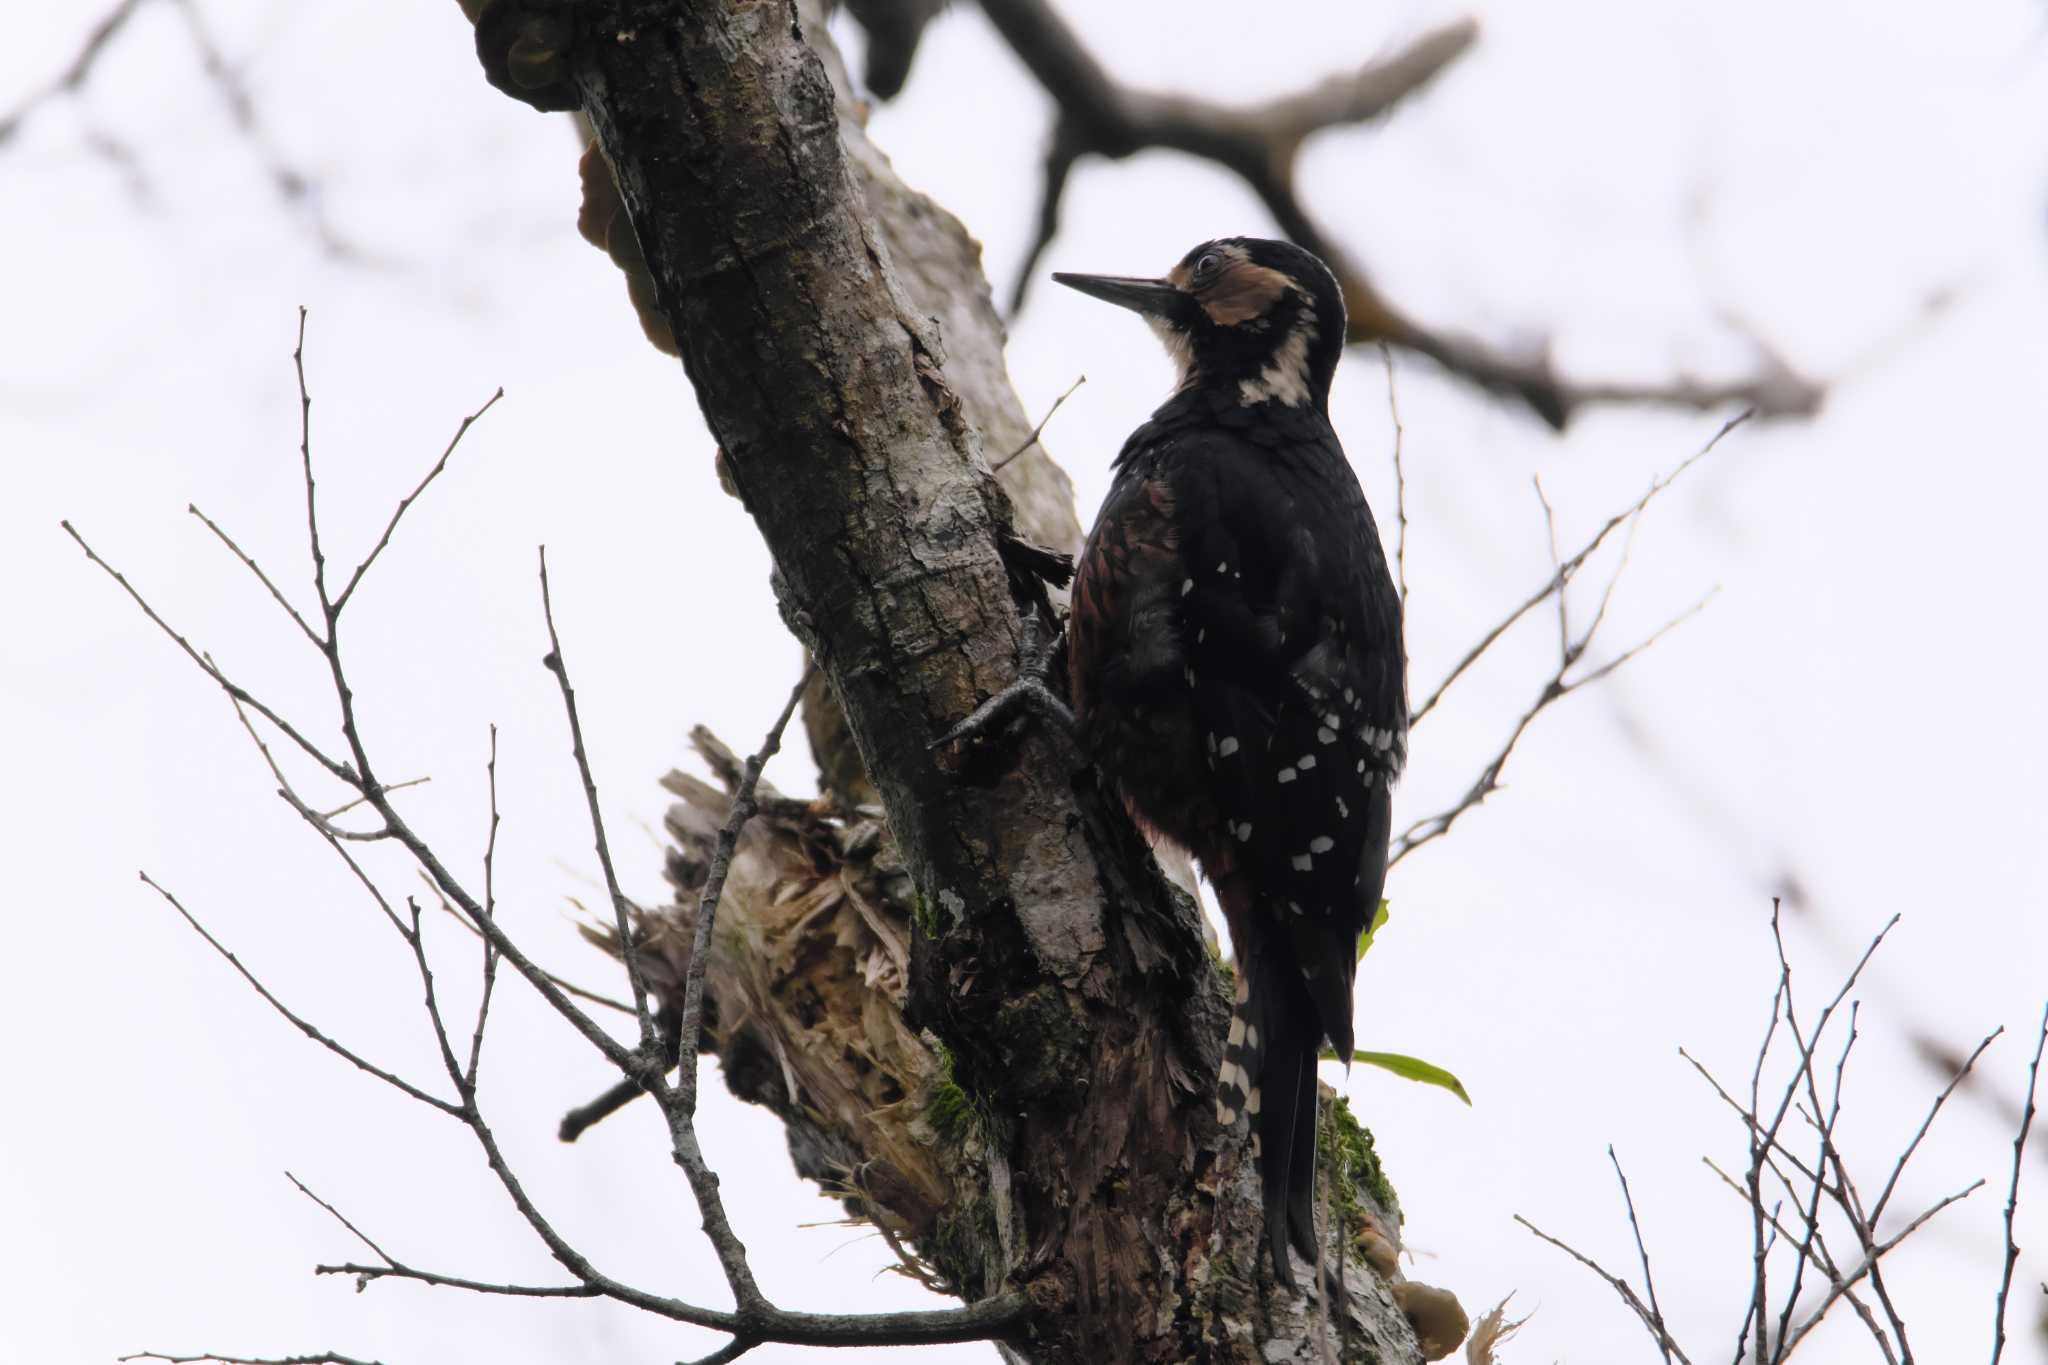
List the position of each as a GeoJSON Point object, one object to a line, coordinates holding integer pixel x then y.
{"type": "Point", "coordinates": [1285, 381]}
{"type": "Point", "coordinates": [1179, 349]}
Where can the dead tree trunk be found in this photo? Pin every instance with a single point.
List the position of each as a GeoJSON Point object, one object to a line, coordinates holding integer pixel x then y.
{"type": "Point", "coordinates": [990, 1023]}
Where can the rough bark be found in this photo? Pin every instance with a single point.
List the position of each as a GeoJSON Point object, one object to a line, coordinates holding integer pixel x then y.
{"type": "Point", "coordinates": [994, 1027]}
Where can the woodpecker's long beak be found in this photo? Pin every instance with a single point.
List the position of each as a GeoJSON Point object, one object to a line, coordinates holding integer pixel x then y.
{"type": "Point", "coordinates": [1155, 297]}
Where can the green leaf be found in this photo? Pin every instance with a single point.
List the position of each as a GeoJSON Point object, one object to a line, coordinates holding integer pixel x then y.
{"type": "Point", "coordinates": [1414, 1069]}
{"type": "Point", "coordinates": [1379, 917]}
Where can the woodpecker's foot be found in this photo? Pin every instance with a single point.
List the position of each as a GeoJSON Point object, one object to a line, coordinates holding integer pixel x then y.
{"type": "Point", "coordinates": [525, 46]}
{"type": "Point", "coordinates": [1031, 691]}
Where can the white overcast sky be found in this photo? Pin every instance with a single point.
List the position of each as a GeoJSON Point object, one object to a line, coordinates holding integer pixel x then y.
{"type": "Point", "coordinates": [1860, 709]}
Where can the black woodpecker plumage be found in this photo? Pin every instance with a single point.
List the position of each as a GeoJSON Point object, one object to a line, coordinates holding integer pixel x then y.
{"type": "Point", "coordinates": [1237, 668]}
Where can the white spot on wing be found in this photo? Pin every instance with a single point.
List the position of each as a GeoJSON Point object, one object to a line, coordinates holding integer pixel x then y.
{"type": "Point", "coordinates": [1226, 747]}
{"type": "Point", "coordinates": [1322, 843]}
{"type": "Point", "coordinates": [1287, 775]}
{"type": "Point", "coordinates": [1303, 863]}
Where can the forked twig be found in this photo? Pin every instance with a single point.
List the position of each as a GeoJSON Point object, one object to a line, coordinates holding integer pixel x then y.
{"type": "Point", "coordinates": [1572, 646]}
{"type": "Point", "coordinates": [1039, 430]}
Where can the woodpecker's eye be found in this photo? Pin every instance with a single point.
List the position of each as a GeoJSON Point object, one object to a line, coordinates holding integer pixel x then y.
{"type": "Point", "coordinates": [1205, 268]}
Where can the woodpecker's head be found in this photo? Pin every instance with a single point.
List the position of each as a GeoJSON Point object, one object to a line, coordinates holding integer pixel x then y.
{"type": "Point", "coordinates": [1260, 320]}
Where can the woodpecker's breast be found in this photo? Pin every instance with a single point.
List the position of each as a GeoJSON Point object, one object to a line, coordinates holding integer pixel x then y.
{"type": "Point", "coordinates": [1236, 663]}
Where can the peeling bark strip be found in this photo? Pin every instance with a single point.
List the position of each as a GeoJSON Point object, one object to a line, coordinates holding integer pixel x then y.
{"type": "Point", "coordinates": [1069, 984]}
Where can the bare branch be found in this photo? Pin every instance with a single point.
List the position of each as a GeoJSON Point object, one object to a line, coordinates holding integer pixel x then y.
{"type": "Point", "coordinates": [407, 501]}
{"type": "Point", "coordinates": [1554, 689]}
{"type": "Point", "coordinates": [561, 983]}
{"type": "Point", "coordinates": [683, 1107]}
{"type": "Point", "coordinates": [1653, 1322]}
{"type": "Point", "coordinates": [368, 1273]}
{"type": "Point", "coordinates": [398, 1082]}
{"type": "Point", "coordinates": [1662, 1334]}
{"type": "Point", "coordinates": [1563, 573]}
{"type": "Point", "coordinates": [555, 664]}
{"type": "Point", "coordinates": [298, 190]}
{"type": "Point", "coordinates": [1869, 1265]}
{"type": "Point", "coordinates": [318, 822]}
{"type": "Point", "coordinates": [324, 1358]}
{"type": "Point", "coordinates": [1400, 484]}
{"type": "Point", "coordinates": [2012, 1196]}
{"type": "Point", "coordinates": [1899, 1167]}
{"type": "Point", "coordinates": [1039, 430]}
{"type": "Point", "coordinates": [306, 463]}
{"type": "Point", "coordinates": [77, 70]}
{"type": "Point", "coordinates": [338, 1217]}
{"type": "Point", "coordinates": [1562, 598]}
{"type": "Point", "coordinates": [1261, 144]}
{"type": "Point", "coordinates": [206, 664]}
{"type": "Point", "coordinates": [345, 807]}
{"type": "Point", "coordinates": [490, 967]}
{"type": "Point", "coordinates": [256, 569]}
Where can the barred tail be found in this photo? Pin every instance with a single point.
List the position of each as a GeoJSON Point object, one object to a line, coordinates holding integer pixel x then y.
{"type": "Point", "coordinates": [1269, 1074]}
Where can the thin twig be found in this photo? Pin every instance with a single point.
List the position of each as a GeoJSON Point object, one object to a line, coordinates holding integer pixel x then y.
{"type": "Point", "coordinates": [1563, 573]}
{"type": "Point", "coordinates": [211, 1358]}
{"type": "Point", "coordinates": [398, 1082]}
{"type": "Point", "coordinates": [682, 1110]}
{"type": "Point", "coordinates": [490, 966]}
{"type": "Point", "coordinates": [1554, 689]}
{"type": "Point", "coordinates": [1652, 1321]}
{"type": "Point", "coordinates": [566, 986]}
{"type": "Point", "coordinates": [339, 1217]}
{"type": "Point", "coordinates": [78, 69]}
{"type": "Point", "coordinates": [1562, 598]}
{"type": "Point", "coordinates": [1038, 430]}
{"type": "Point", "coordinates": [306, 463]}
{"type": "Point", "coordinates": [206, 665]}
{"type": "Point", "coordinates": [257, 569]}
{"type": "Point", "coordinates": [1649, 1281]}
{"type": "Point", "coordinates": [1899, 1167]}
{"type": "Point", "coordinates": [555, 664]}
{"type": "Point", "coordinates": [367, 1273]}
{"type": "Point", "coordinates": [1877, 1252]}
{"type": "Point", "coordinates": [1400, 481]}
{"type": "Point", "coordinates": [319, 824]}
{"type": "Point", "coordinates": [345, 807]}
{"type": "Point", "coordinates": [407, 501]}
{"type": "Point", "coordinates": [2012, 1196]}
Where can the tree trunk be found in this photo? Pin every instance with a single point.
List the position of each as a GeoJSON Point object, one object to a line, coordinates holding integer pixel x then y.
{"type": "Point", "coordinates": [990, 1023]}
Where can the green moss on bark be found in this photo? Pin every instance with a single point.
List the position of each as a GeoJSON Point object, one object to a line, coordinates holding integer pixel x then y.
{"type": "Point", "coordinates": [1352, 1162]}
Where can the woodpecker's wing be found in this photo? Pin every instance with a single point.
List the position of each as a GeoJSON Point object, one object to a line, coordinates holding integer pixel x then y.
{"type": "Point", "coordinates": [1292, 637]}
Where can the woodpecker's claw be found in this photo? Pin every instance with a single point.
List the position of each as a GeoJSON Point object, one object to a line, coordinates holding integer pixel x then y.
{"type": "Point", "coordinates": [1031, 690]}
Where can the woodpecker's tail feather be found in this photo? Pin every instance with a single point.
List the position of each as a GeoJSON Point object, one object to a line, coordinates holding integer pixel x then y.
{"type": "Point", "coordinates": [1269, 1074]}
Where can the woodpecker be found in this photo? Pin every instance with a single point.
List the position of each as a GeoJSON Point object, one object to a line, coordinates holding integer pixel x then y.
{"type": "Point", "coordinates": [1236, 668]}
